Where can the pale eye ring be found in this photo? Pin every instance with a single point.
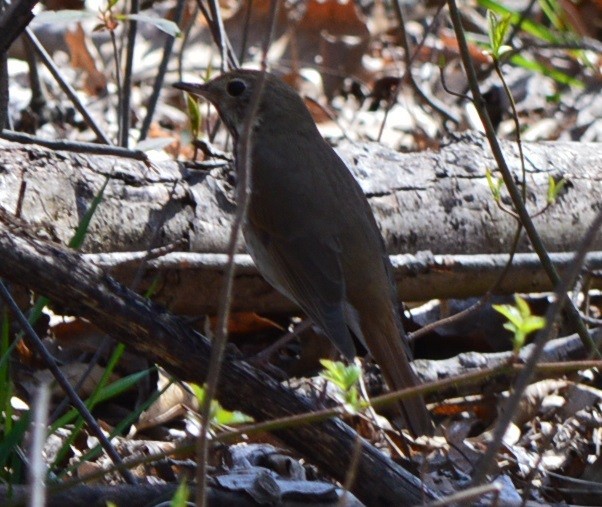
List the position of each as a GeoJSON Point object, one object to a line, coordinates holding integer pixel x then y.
{"type": "Point", "coordinates": [236, 87]}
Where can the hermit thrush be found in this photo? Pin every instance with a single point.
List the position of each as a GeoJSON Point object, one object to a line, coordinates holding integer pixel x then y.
{"type": "Point", "coordinates": [310, 230]}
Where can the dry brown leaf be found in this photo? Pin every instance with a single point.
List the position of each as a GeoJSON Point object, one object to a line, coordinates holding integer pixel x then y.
{"type": "Point", "coordinates": [337, 18]}
{"type": "Point", "coordinates": [86, 468]}
{"type": "Point", "coordinates": [258, 21]}
{"type": "Point", "coordinates": [172, 404]}
{"type": "Point", "coordinates": [534, 396]}
{"type": "Point", "coordinates": [341, 35]}
{"type": "Point", "coordinates": [95, 81]}
{"type": "Point", "coordinates": [247, 322]}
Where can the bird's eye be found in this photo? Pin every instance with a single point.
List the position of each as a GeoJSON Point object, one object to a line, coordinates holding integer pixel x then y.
{"type": "Point", "coordinates": [236, 87]}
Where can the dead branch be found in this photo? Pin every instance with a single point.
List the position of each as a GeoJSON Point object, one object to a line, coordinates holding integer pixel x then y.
{"type": "Point", "coordinates": [430, 205]}
{"type": "Point", "coordinates": [67, 279]}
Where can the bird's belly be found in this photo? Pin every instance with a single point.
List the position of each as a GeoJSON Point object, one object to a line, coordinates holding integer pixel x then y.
{"type": "Point", "coordinates": [257, 248]}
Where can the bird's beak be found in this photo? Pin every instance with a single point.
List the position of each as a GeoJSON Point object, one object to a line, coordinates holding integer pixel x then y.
{"type": "Point", "coordinates": [197, 89]}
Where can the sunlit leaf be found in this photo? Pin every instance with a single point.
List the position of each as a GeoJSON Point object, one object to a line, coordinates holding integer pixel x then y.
{"type": "Point", "coordinates": [165, 25]}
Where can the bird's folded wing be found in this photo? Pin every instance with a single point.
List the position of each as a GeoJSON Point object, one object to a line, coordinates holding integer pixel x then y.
{"type": "Point", "coordinates": [311, 272]}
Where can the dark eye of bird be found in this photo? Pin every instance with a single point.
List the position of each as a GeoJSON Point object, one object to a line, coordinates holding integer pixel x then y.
{"type": "Point", "coordinates": [236, 87]}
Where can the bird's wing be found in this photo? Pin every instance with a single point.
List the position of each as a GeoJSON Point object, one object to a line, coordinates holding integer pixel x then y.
{"type": "Point", "coordinates": [310, 272]}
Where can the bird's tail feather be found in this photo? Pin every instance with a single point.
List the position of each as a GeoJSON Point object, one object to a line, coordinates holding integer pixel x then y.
{"type": "Point", "coordinates": [389, 350]}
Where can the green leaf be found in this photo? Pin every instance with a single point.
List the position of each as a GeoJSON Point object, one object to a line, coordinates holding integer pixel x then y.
{"type": "Point", "coordinates": [13, 438]}
{"type": "Point", "coordinates": [557, 75]}
{"type": "Point", "coordinates": [498, 32]}
{"type": "Point", "coordinates": [520, 321]}
{"type": "Point", "coordinates": [523, 307]}
{"type": "Point", "coordinates": [194, 114]}
{"type": "Point", "coordinates": [123, 384]}
{"type": "Point", "coordinates": [553, 11]}
{"type": "Point", "coordinates": [165, 25]}
{"type": "Point", "coordinates": [218, 414]}
{"type": "Point", "coordinates": [82, 229]}
{"type": "Point", "coordinates": [531, 27]}
{"type": "Point", "coordinates": [103, 394]}
{"type": "Point", "coordinates": [495, 185]}
{"type": "Point", "coordinates": [511, 313]}
{"type": "Point", "coordinates": [554, 189]}
{"type": "Point", "coordinates": [536, 29]}
{"type": "Point", "coordinates": [341, 375]}
{"type": "Point", "coordinates": [533, 323]}
{"type": "Point", "coordinates": [353, 403]}
{"type": "Point", "coordinates": [230, 417]}
{"type": "Point", "coordinates": [180, 497]}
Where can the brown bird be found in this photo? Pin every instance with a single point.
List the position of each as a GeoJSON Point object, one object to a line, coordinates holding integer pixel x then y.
{"type": "Point", "coordinates": [310, 229]}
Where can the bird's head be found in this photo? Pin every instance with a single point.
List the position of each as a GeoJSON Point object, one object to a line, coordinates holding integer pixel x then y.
{"type": "Point", "coordinates": [233, 93]}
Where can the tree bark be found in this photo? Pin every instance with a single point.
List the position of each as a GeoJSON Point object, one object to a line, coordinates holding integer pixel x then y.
{"type": "Point", "coordinates": [68, 280]}
{"type": "Point", "coordinates": [435, 208]}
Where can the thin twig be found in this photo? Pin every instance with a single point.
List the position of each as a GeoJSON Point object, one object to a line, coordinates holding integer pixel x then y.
{"type": "Point", "coordinates": [15, 18]}
{"type": "Point", "coordinates": [37, 468]}
{"type": "Point", "coordinates": [409, 57]}
{"type": "Point", "coordinates": [219, 342]}
{"type": "Point", "coordinates": [75, 147]}
{"type": "Point", "coordinates": [519, 142]}
{"type": "Point", "coordinates": [245, 31]}
{"type": "Point", "coordinates": [538, 344]}
{"type": "Point", "coordinates": [126, 91]}
{"type": "Point", "coordinates": [222, 39]}
{"type": "Point", "coordinates": [66, 87]}
{"type": "Point", "coordinates": [37, 344]}
{"type": "Point", "coordinates": [465, 313]}
{"type": "Point", "coordinates": [219, 35]}
{"type": "Point", "coordinates": [244, 183]}
{"type": "Point", "coordinates": [158, 84]}
{"type": "Point", "coordinates": [513, 190]}
{"type": "Point", "coordinates": [187, 31]}
{"type": "Point", "coordinates": [481, 302]}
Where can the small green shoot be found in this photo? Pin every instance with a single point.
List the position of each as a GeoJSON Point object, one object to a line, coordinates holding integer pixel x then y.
{"type": "Point", "coordinates": [194, 115]}
{"type": "Point", "coordinates": [521, 322]}
{"type": "Point", "coordinates": [345, 377]}
{"type": "Point", "coordinates": [498, 33]}
{"type": "Point", "coordinates": [218, 414]}
{"type": "Point", "coordinates": [531, 27]}
{"type": "Point", "coordinates": [499, 27]}
{"type": "Point", "coordinates": [495, 185]}
{"type": "Point", "coordinates": [554, 189]}
{"type": "Point", "coordinates": [180, 497]}
{"type": "Point", "coordinates": [441, 61]}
